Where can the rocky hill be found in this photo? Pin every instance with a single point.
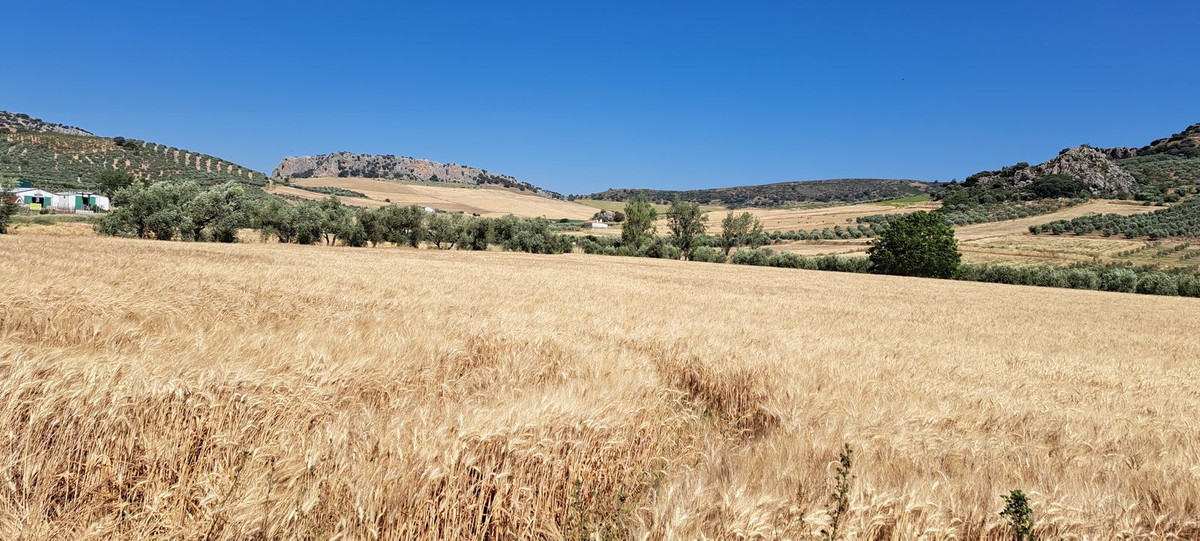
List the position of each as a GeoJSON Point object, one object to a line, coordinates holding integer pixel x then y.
{"type": "Point", "coordinates": [1093, 167]}
{"type": "Point", "coordinates": [1165, 164]}
{"type": "Point", "coordinates": [347, 164]}
{"type": "Point", "coordinates": [15, 122]}
{"type": "Point", "coordinates": [58, 157]}
{"type": "Point", "coordinates": [1154, 172]}
{"type": "Point", "coordinates": [846, 190]}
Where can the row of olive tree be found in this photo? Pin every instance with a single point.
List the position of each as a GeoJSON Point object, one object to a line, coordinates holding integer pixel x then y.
{"type": "Point", "coordinates": [171, 210]}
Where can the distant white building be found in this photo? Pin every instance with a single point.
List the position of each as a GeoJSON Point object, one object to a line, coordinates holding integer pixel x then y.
{"type": "Point", "coordinates": [599, 225]}
{"type": "Point", "coordinates": [34, 198]}
{"type": "Point", "coordinates": [430, 210]}
{"type": "Point", "coordinates": [38, 199]}
{"type": "Point", "coordinates": [80, 201]}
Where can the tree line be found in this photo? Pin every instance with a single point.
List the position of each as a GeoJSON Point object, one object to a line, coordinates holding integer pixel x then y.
{"type": "Point", "coordinates": [1181, 220]}
{"type": "Point", "coordinates": [186, 211]}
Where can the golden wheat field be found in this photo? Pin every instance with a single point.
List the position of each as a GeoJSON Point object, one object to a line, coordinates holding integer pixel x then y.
{"type": "Point", "coordinates": [156, 390]}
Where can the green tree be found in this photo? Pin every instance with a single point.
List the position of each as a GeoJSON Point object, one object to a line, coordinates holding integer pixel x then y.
{"type": "Point", "coordinates": [157, 211]}
{"type": "Point", "coordinates": [444, 229]}
{"type": "Point", "coordinates": [8, 205]}
{"type": "Point", "coordinates": [686, 222]}
{"type": "Point", "coordinates": [336, 219]}
{"type": "Point", "coordinates": [477, 233]}
{"type": "Point", "coordinates": [739, 229]}
{"type": "Point", "coordinates": [309, 222]}
{"type": "Point", "coordinates": [372, 225]}
{"type": "Point", "coordinates": [916, 244]}
{"type": "Point", "coordinates": [639, 221]}
{"type": "Point", "coordinates": [275, 217]}
{"type": "Point", "coordinates": [218, 212]}
{"type": "Point", "coordinates": [404, 225]}
{"type": "Point", "coordinates": [112, 180]}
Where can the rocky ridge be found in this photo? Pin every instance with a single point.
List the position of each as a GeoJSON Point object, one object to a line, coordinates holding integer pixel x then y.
{"type": "Point", "coordinates": [15, 122]}
{"type": "Point", "coordinates": [1092, 166]}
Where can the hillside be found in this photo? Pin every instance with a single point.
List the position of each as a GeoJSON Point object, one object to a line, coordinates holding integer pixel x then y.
{"type": "Point", "coordinates": [1166, 163]}
{"type": "Point", "coordinates": [780, 194]}
{"type": "Point", "coordinates": [55, 157]}
{"type": "Point", "coordinates": [346, 164]}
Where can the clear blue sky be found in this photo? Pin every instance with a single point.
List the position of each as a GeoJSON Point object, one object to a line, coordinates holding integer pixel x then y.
{"type": "Point", "coordinates": [581, 97]}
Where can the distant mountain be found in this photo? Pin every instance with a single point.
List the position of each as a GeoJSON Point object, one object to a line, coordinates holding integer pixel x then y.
{"type": "Point", "coordinates": [347, 164]}
{"type": "Point", "coordinates": [56, 156]}
{"type": "Point", "coordinates": [779, 194]}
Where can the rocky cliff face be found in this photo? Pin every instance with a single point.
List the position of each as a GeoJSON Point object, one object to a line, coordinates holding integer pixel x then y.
{"type": "Point", "coordinates": [14, 122]}
{"type": "Point", "coordinates": [347, 164]}
{"type": "Point", "coordinates": [1092, 166]}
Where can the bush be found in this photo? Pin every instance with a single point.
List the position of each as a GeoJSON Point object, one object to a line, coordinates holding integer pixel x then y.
{"type": "Point", "coordinates": [707, 254]}
{"type": "Point", "coordinates": [786, 260]}
{"type": "Point", "coordinates": [1120, 280]}
{"type": "Point", "coordinates": [1157, 283]}
{"type": "Point", "coordinates": [656, 247]}
{"type": "Point", "coordinates": [759, 257]}
{"type": "Point", "coordinates": [1083, 279]}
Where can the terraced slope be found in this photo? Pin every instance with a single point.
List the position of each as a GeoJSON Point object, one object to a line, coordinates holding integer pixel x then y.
{"type": "Point", "coordinates": [65, 157]}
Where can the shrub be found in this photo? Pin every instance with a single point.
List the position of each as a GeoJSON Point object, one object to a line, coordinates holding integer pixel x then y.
{"type": "Point", "coordinates": [1019, 516]}
{"type": "Point", "coordinates": [758, 257]}
{"type": "Point", "coordinates": [707, 254]}
{"type": "Point", "coordinates": [787, 260]}
{"type": "Point", "coordinates": [1083, 279]}
{"type": "Point", "coordinates": [1157, 283]}
{"type": "Point", "coordinates": [1121, 280]}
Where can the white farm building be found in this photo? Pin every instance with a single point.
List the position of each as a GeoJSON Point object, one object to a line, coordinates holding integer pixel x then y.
{"type": "Point", "coordinates": [599, 225]}
{"type": "Point", "coordinates": [38, 199]}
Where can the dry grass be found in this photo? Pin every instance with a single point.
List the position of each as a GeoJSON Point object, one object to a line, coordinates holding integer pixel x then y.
{"type": "Point", "coordinates": [482, 200]}
{"type": "Point", "coordinates": [171, 390]}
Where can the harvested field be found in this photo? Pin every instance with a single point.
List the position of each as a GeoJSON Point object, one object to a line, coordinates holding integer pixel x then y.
{"type": "Point", "coordinates": [482, 200]}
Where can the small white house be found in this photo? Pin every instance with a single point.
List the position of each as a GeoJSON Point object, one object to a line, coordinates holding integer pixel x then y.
{"type": "Point", "coordinates": [34, 199]}
{"type": "Point", "coordinates": [38, 199]}
{"type": "Point", "coordinates": [80, 201]}
{"type": "Point", "coordinates": [599, 225]}
{"type": "Point", "coordinates": [430, 210]}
